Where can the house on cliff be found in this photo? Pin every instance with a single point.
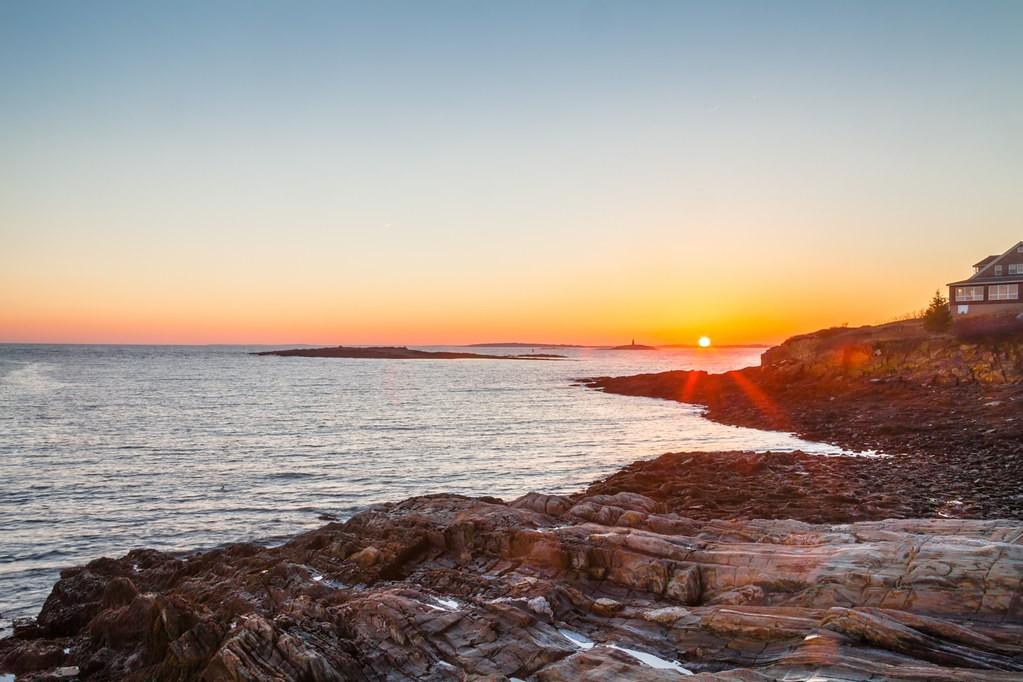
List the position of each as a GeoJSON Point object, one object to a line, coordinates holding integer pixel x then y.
{"type": "Point", "coordinates": [993, 289]}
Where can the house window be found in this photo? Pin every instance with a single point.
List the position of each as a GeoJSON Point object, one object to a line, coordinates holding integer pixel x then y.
{"type": "Point", "coordinates": [969, 293]}
{"type": "Point", "coordinates": [1003, 292]}
{"type": "Point", "coordinates": [998, 270]}
{"type": "Point", "coordinates": [1016, 268]}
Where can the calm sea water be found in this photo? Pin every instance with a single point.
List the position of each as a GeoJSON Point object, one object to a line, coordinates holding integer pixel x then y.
{"type": "Point", "coordinates": [108, 448]}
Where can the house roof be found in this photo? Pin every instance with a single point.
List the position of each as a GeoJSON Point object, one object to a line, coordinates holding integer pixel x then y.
{"type": "Point", "coordinates": [987, 280]}
{"type": "Point", "coordinates": [984, 262]}
{"type": "Point", "coordinates": [989, 261]}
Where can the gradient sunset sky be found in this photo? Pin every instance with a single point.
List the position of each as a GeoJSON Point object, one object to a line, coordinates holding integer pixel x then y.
{"type": "Point", "coordinates": [457, 172]}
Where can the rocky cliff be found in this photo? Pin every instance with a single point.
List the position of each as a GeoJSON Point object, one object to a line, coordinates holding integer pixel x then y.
{"type": "Point", "coordinates": [902, 350]}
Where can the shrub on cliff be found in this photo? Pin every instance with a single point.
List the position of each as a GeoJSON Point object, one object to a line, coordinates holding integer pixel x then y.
{"type": "Point", "coordinates": [992, 327]}
{"type": "Point", "coordinates": [937, 317]}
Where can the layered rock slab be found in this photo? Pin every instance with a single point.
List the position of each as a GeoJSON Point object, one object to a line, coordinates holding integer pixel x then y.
{"type": "Point", "coordinates": [601, 586]}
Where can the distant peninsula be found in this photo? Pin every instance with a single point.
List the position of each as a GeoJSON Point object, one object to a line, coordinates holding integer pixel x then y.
{"type": "Point", "coordinates": [398, 353]}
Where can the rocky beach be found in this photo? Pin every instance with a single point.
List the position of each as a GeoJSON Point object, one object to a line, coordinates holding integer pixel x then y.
{"type": "Point", "coordinates": [741, 566]}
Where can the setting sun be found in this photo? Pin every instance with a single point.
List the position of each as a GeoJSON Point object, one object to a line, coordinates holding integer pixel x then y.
{"type": "Point", "coordinates": [704, 342]}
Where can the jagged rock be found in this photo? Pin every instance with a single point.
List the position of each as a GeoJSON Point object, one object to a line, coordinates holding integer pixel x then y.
{"type": "Point", "coordinates": [366, 557]}
{"type": "Point", "coordinates": [119, 592]}
{"type": "Point", "coordinates": [740, 595]}
{"type": "Point", "coordinates": [539, 606]}
{"type": "Point", "coordinates": [25, 627]}
{"type": "Point", "coordinates": [551, 505]}
{"type": "Point", "coordinates": [665, 616]}
{"type": "Point", "coordinates": [259, 650]}
{"type": "Point", "coordinates": [606, 607]}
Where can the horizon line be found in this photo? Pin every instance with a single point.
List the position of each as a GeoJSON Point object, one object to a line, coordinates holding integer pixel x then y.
{"type": "Point", "coordinates": [507, 344]}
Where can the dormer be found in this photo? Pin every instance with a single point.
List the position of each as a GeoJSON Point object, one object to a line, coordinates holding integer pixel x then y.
{"type": "Point", "coordinates": [977, 267]}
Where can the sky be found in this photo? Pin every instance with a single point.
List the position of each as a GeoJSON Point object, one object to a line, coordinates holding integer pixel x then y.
{"type": "Point", "coordinates": [459, 172]}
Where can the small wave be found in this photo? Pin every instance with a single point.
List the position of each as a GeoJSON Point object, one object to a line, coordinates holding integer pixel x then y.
{"type": "Point", "coordinates": [289, 475]}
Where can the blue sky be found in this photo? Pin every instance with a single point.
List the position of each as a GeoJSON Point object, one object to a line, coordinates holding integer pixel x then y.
{"type": "Point", "coordinates": [513, 160]}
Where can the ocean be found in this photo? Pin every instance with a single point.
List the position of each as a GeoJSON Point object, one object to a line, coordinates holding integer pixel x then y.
{"type": "Point", "coordinates": [108, 448]}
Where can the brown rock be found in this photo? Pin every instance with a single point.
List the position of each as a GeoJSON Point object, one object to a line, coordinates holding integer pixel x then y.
{"type": "Point", "coordinates": [478, 589]}
{"type": "Point", "coordinates": [606, 607]}
{"type": "Point", "coordinates": [366, 557]}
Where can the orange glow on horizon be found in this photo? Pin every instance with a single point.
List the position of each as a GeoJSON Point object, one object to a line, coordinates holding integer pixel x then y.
{"type": "Point", "coordinates": [301, 298]}
{"type": "Point", "coordinates": [170, 322]}
{"type": "Point", "coordinates": [65, 308]}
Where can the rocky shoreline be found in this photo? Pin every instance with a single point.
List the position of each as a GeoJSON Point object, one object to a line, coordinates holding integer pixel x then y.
{"type": "Point", "coordinates": [949, 414]}
{"type": "Point", "coordinates": [588, 587]}
{"type": "Point", "coordinates": [726, 566]}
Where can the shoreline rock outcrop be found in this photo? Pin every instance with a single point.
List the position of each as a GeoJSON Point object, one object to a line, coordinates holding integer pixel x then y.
{"type": "Point", "coordinates": [548, 587]}
{"type": "Point", "coordinates": [905, 351]}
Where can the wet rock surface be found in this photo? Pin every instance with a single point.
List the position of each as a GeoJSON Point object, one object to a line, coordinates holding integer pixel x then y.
{"type": "Point", "coordinates": [596, 586]}
{"type": "Point", "coordinates": [774, 485]}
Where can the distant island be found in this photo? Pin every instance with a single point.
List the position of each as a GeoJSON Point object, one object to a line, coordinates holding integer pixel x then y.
{"type": "Point", "coordinates": [398, 353]}
{"type": "Point", "coordinates": [631, 346]}
{"type": "Point", "coordinates": [520, 344]}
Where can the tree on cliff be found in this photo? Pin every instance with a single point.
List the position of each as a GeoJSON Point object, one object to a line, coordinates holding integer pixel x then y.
{"type": "Point", "coordinates": [937, 317]}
